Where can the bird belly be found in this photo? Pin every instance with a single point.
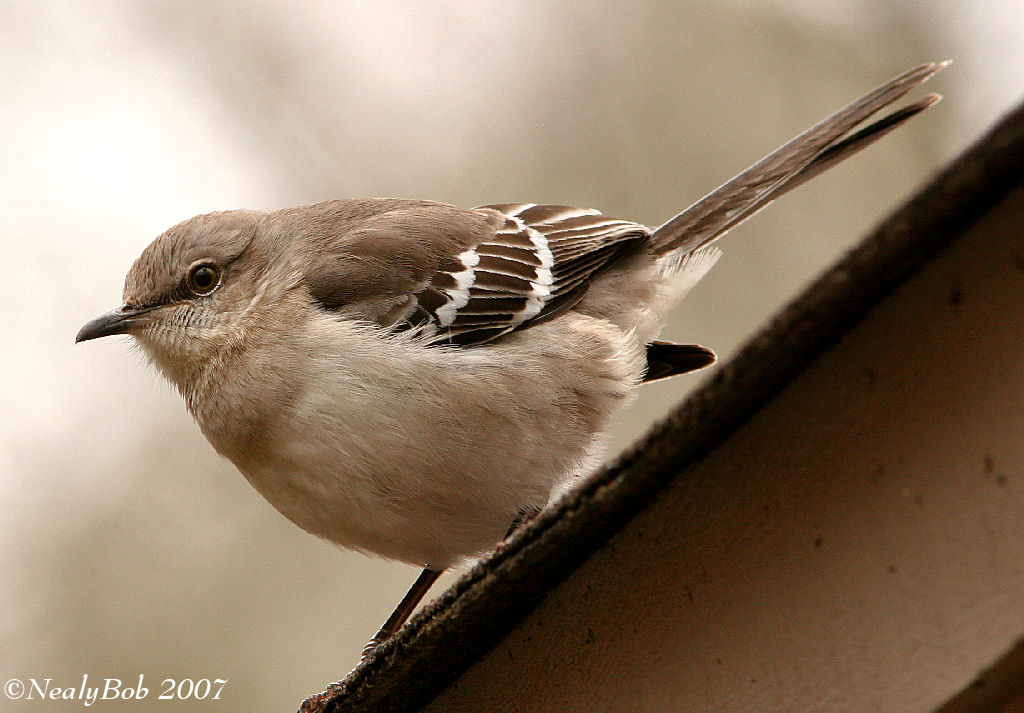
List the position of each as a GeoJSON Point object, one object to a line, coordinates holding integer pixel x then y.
{"type": "Point", "coordinates": [430, 461]}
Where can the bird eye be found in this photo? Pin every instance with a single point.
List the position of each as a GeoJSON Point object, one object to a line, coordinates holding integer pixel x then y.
{"type": "Point", "coordinates": [202, 279]}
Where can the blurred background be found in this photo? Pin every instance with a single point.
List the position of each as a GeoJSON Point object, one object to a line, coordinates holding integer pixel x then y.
{"type": "Point", "coordinates": [127, 546]}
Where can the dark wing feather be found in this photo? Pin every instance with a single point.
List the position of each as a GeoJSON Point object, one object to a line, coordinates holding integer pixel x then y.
{"type": "Point", "coordinates": [460, 277]}
{"type": "Point", "coordinates": [538, 263]}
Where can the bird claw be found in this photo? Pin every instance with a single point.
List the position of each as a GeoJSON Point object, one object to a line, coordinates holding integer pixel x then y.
{"type": "Point", "coordinates": [379, 638]}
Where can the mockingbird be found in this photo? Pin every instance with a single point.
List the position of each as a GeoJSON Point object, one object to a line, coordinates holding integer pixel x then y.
{"type": "Point", "coordinates": [408, 378]}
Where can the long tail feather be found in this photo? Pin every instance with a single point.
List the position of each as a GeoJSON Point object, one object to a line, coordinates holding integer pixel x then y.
{"type": "Point", "coordinates": [812, 152]}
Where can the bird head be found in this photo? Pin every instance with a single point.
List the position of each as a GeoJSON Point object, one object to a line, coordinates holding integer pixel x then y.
{"type": "Point", "coordinates": [189, 292]}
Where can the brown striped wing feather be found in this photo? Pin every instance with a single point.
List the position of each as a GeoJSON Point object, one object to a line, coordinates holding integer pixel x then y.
{"type": "Point", "coordinates": [538, 263]}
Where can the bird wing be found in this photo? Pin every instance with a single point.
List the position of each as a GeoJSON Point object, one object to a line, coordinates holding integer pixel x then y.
{"type": "Point", "coordinates": [466, 277]}
{"type": "Point", "coordinates": [539, 262]}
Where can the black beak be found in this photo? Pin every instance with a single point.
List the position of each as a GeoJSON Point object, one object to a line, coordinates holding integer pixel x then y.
{"type": "Point", "coordinates": [120, 320]}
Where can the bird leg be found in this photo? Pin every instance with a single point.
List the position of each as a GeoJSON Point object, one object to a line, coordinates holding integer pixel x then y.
{"type": "Point", "coordinates": [405, 607]}
{"type": "Point", "coordinates": [420, 588]}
